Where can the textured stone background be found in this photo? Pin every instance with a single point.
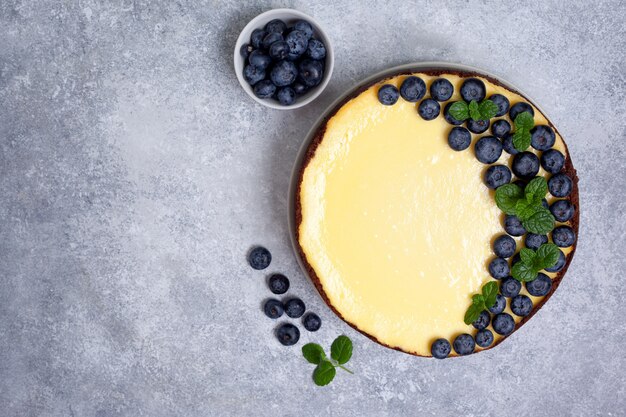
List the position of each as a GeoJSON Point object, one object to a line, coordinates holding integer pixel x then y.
{"type": "Point", "coordinates": [135, 174]}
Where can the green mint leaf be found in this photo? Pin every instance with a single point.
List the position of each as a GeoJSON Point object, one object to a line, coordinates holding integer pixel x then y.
{"type": "Point", "coordinates": [527, 256]}
{"type": "Point", "coordinates": [541, 222]}
{"type": "Point", "coordinates": [472, 313]}
{"type": "Point", "coordinates": [313, 353]}
{"type": "Point", "coordinates": [459, 110]}
{"type": "Point", "coordinates": [521, 140]}
{"type": "Point", "coordinates": [524, 210]}
{"type": "Point", "coordinates": [507, 196]}
{"type": "Point", "coordinates": [324, 373]}
{"type": "Point", "coordinates": [487, 109]}
{"type": "Point", "coordinates": [473, 110]}
{"type": "Point", "coordinates": [341, 349]}
{"type": "Point", "coordinates": [536, 190]}
{"type": "Point", "coordinates": [523, 272]}
{"type": "Point", "coordinates": [490, 291]}
{"type": "Point", "coordinates": [521, 137]}
{"type": "Point", "coordinates": [547, 256]}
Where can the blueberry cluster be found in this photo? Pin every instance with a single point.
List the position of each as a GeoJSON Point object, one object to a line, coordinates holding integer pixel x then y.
{"type": "Point", "coordinates": [283, 62]}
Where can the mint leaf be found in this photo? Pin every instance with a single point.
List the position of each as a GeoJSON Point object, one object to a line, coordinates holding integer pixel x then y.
{"type": "Point", "coordinates": [536, 190]}
{"type": "Point", "coordinates": [472, 313]}
{"type": "Point", "coordinates": [313, 353]}
{"type": "Point", "coordinates": [524, 210]}
{"type": "Point", "coordinates": [507, 196]}
{"type": "Point", "coordinates": [490, 291]}
{"type": "Point", "coordinates": [521, 137]}
{"type": "Point", "coordinates": [487, 109]}
{"type": "Point", "coordinates": [473, 110]}
{"type": "Point", "coordinates": [324, 373]}
{"type": "Point", "coordinates": [527, 256]}
{"type": "Point", "coordinates": [540, 222]}
{"type": "Point", "coordinates": [547, 256]}
{"type": "Point", "coordinates": [523, 272]}
{"type": "Point", "coordinates": [459, 110]}
{"type": "Point", "coordinates": [341, 349]}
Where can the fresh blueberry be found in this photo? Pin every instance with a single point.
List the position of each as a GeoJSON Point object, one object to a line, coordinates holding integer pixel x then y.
{"type": "Point", "coordinates": [275, 26]}
{"type": "Point", "coordinates": [304, 27]}
{"type": "Point", "coordinates": [273, 308]}
{"type": "Point", "coordinates": [459, 138]}
{"type": "Point", "coordinates": [283, 73]}
{"type": "Point", "coordinates": [497, 175]}
{"type": "Point", "coordinates": [499, 306]}
{"type": "Point", "coordinates": [413, 89]}
{"type": "Point", "coordinates": [507, 144]}
{"type": "Point", "coordinates": [484, 338]}
{"type": "Point", "coordinates": [245, 50]}
{"type": "Point", "coordinates": [545, 204]}
{"type": "Point", "coordinates": [316, 49]}
{"type": "Point", "coordinates": [256, 39]}
{"type": "Point", "coordinates": [464, 344]}
{"type": "Point", "coordinates": [534, 241]}
{"type": "Point", "coordinates": [299, 88]}
{"type": "Point", "coordinates": [552, 161]}
{"type": "Point", "coordinates": [253, 74]}
{"type": "Point", "coordinates": [259, 59]}
{"type": "Point", "coordinates": [542, 137]}
{"type": "Point", "coordinates": [518, 108]}
{"type": "Point", "coordinates": [500, 128]}
{"type": "Point", "coordinates": [288, 334]}
{"type": "Point", "coordinates": [488, 149]}
{"type": "Point", "coordinates": [562, 210]}
{"type": "Point", "coordinates": [279, 50]}
{"type": "Point", "coordinates": [270, 38]}
{"type": "Point", "coordinates": [441, 89]}
{"type": "Point", "coordinates": [510, 287]}
{"type": "Point", "coordinates": [513, 225]}
{"type": "Point", "coordinates": [298, 43]}
{"type": "Point", "coordinates": [560, 263]}
{"type": "Point", "coordinates": [502, 102]}
{"type": "Point", "coordinates": [473, 89]}
{"type": "Point", "coordinates": [312, 322]}
{"type": "Point", "coordinates": [440, 349]}
{"type": "Point", "coordinates": [503, 324]}
{"type": "Point", "coordinates": [264, 89]}
{"type": "Point", "coordinates": [278, 283]}
{"type": "Point", "coordinates": [482, 321]}
{"type": "Point", "coordinates": [286, 96]}
{"type": "Point", "coordinates": [428, 109]}
{"type": "Point", "coordinates": [539, 286]}
{"type": "Point", "coordinates": [311, 72]}
{"type": "Point", "coordinates": [259, 258]}
{"type": "Point", "coordinates": [516, 258]}
{"type": "Point", "coordinates": [448, 116]}
{"type": "Point", "coordinates": [477, 126]}
{"type": "Point", "coordinates": [504, 246]}
{"type": "Point", "coordinates": [521, 305]}
{"type": "Point", "coordinates": [563, 236]}
{"type": "Point", "coordinates": [560, 185]}
{"type": "Point", "coordinates": [499, 268]}
{"type": "Point", "coordinates": [295, 308]}
{"type": "Point", "coordinates": [388, 95]}
{"type": "Point", "coordinates": [525, 165]}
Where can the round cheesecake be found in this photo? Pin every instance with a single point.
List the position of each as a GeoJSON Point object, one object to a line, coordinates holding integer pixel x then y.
{"type": "Point", "coordinates": [394, 227]}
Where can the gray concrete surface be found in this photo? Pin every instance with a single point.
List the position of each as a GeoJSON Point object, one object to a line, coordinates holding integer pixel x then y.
{"type": "Point", "coordinates": [135, 174]}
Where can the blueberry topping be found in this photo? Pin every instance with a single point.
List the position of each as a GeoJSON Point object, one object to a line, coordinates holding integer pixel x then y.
{"type": "Point", "coordinates": [502, 102]}
{"type": "Point", "coordinates": [499, 268]}
{"type": "Point", "coordinates": [253, 74]}
{"type": "Point", "coordinates": [513, 225]}
{"type": "Point", "coordinates": [499, 306]}
{"type": "Point", "coordinates": [521, 305]}
{"type": "Point", "coordinates": [259, 258]}
{"type": "Point", "coordinates": [388, 95]}
{"type": "Point", "coordinates": [552, 161]}
{"type": "Point", "coordinates": [264, 89]}
{"type": "Point", "coordinates": [504, 246]}
{"type": "Point", "coordinates": [304, 27]}
{"type": "Point", "coordinates": [478, 126]}
{"type": "Point", "coordinates": [278, 283]}
{"type": "Point", "coordinates": [295, 308]}
{"type": "Point", "coordinates": [516, 258]}
{"type": "Point", "coordinates": [484, 338]}
{"type": "Point", "coordinates": [542, 137]}
{"type": "Point", "coordinates": [273, 308]}
{"type": "Point", "coordinates": [441, 89]}
{"type": "Point", "coordinates": [459, 138]}
{"type": "Point", "coordinates": [288, 334]}
{"type": "Point", "coordinates": [525, 165]}
{"type": "Point", "coordinates": [563, 236]}
{"type": "Point", "coordinates": [440, 349]}
{"type": "Point", "coordinates": [256, 39]}
{"type": "Point", "coordinates": [520, 108]}
{"type": "Point", "coordinates": [298, 43]}
{"type": "Point", "coordinates": [534, 241]}
{"type": "Point", "coordinates": [299, 88]}
{"type": "Point", "coordinates": [488, 149]}
{"type": "Point", "coordinates": [316, 49]}
{"type": "Point", "coordinates": [283, 73]}
{"type": "Point", "coordinates": [510, 287]}
{"type": "Point", "coordinates": [560, 185]}
{"type": "Point", "coordinates": [311, 72]}
{"type": "Point", "coordinates": [448, 116]}
{"type": "Point", "coordinates": [473, 89]}
{"type": "Point", "coordinates": [312, 322]}
{"type": "Point", "coordinates": [286, 96]}
{"type": "Point", "coordinates": [270, 38]}
{"type": "Point", "coordinates": [428, 109]}
{"type": "Point", "coordinates": [507, 144]}
{"type": "Point", "coordinates": [539, 286]}
{"type": "Point", "coordinates": [413, 89]}
{"type": "Point", "coordinates": [245, 50]}
{"type": "Point", "coordinates": [500, 128]}
{"type": "Point", "coordinates": [464, 344]}
{"type": "Point", "coordinates": [279, 50]}
{"type": "Point", "coordinates": [562, 210]}
{"type": "Point", "coordinates": [560, 263]}
{"type": "Point", "coordinates": [497, 175]}
{"type": "Point", "coordinates": [482, 321]}
{"type": "Point", "coordinates": [275, 26]}
{"type": "Point", "coordinates": [259, 59]}
{"type": "Point", "coordinates": [503, 324]}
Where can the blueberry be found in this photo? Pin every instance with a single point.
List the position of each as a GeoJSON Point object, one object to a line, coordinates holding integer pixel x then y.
{"type": "Point", "coordinates": [488, 149]}
{"type": "Point", "coordinates": [510, 287]}
{"type": "Point", "coordinates": [473, 89]}
{"type": "Point", "coordinates": [525, 165]}
{"type": "Point", "coordinates": [563, 236]}
{"type": "Point", "coordinates": [521, 305]}
{"type": "Point", "coordinates": [259, 258]}
{"type": "Point", "coordinates": [388, 95]}
{"type": "Point", "coordinates": [448, 116]}
{"type": "Point", "coordinates": [288, 334]}
{"type": "Point", "coordinates": [534, 241]}
{"type": "Point", "coordinates": [253, 74]}
{"type": "Point", "coordinates": [539, 286]}
{"type": "Point", "coordinates": [500, 128]}
{"type": "Point", "coordinates": [560, 263]}
{"type": "Point", "coordinates": [545, 204]}
{"type": "Point", "coordinates": [441, 89]}
{"type": "Point", "coordinates": [311, 72]}
{"type": "Point", "coordinates": [428, 109]}
{"type": "Point", "coordinates": [504, 246]}
{"type": "Point", "coordinates": [264, 89]}
{"type": "Point", "coordinates": [278, 283]}
{"type": "Point", "coordinates": [542, 137]}
{"type": "Point", "coordinates": [275, 26]}
{"type": "Point", "coordinates": [459, 138]}
{"type": "Point", "coordinates": [298, 43]}
{"type": "Point", "coordinates": [513, 225]}
{"type": "Point", "coordinates": [316, 49]}
{"type": "Point", "coordinates": [516, 258]}
{"type": "Point", "coordinates": [562, 210]}
{"type": "Point", "coordinates": [299, 88]}
{"type": "Point", "coordinates": [245, 50]}
{"type": "Point", "coordinates": [499, 268]}
{"type": "Point", "coordinates": [283, 73]}
{"type": "Point", "coordinates": [503, 324]}
{"type": "Point", "coordinates": [482, 321]}
{"type": "Point", "coordinates": [413, 89]}
{"type": "Point", "coordinates": [304, 27]}
{"type": "Point", "coordinates": [464, 344]}
{"type": "Point", "coordinates": [499, 306]}
{"type": "Point", "coordinates": [312, 322]}
{"type": "Point", "coordinates": [520, 108]}
{"type": "Point", "coordinates": [270, 38]}
{"type": "Point", "coordinates": [560, 185]}
{"type": "Point", "coordinates": [552, 161]}
{"type": "Point", "coordinates": [507, 144]}
{"type": "Point", "coordinates": [295, 308]}
{"type": "Point", "coordinates": [440, 349]}
{"type": "Point", "coordinates": [484, 338]}
{"type": "Point", "coordinates": [286, 96]}
{"type": "Point", "coordinates": [478, 126]}
{"type": "Point", "coordinates": [259, 59]}
{"type": "Point", "coordinates": [502, 102]}
{"type": "Point", "coordinates": [256, 39]}
{"type": "Point", "coordinates": [273, 308]}
{"type": "Point", "coordinates": [497, 175]}
{"type": "Point", "coordinates": [279, 50]}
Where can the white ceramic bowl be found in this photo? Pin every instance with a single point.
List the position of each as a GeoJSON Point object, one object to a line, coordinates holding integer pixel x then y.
{"type": "Point", "coordinates": [289, 16]}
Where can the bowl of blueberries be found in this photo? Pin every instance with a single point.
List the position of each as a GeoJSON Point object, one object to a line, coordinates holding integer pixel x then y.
{"type": "Point", "coordinates": [283, 59]}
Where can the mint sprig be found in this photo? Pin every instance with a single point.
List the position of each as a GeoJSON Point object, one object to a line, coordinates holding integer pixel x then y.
{"type": "Point", "coordinates": [483, 111]}
{"type": "Point", "coordinates": [481, 302]}
{"type": "Point", "coordinates": [531, 262]}
{"type": "Point", "coordinates": [325, 371]}
{"type": "Point", "coordinates": [527, 205]}
{"type": "Point", "coordinates": [521, 136]}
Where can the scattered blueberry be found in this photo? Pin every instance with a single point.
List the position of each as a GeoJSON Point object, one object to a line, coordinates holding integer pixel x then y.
{"type": "Point", "coordinates": [499, 268]}
{"type": "Point", "coordinates": [521, 305]}
{"type": "Point", "coordinates": [253, 74]}
{"type": "Point", "coordinates": [488, 149]}
{"type": "Point", "coordinates": [516, 258]}
{"type": "Point", "coordinates": [448, 116]}
{"type": "Point", "coordinates": [245, 50]}
{"type": "Point", "coordinates": [464, 344]}
{"type": "Point", "coordinates": [256, 39]}
{"type": "Point", "coordinates": [560, 263]}
{"type": "Point", "coordinates": [312, 322]}
{"type": "Point", "coordinates": [500, 128]}
{"type": "Point", "coordinates": [428, 109]}
{"type": "Point", "coordinates": [507, 144]}
{"type": "Point", "coordinates": [440, 349]}
{"type": "Point", "coordinates": [499, 306]}
{"type": "Point", "coordinates": [270, 38]}
{"type": "Point", "coordinates": [560, 185]}
{"type": "Point", "coordinates": [502, 102]}
{"type": "Point", "coordinates": [279, 50]}
{"type": "Point", "coordinates": [477, 126]}
{"type": "Point", "coordinates": [544, 203]}
{"type": "Point", "coordinates": [484, 338]}
{"type": "Point", "coordinates": [264, 89]}
{"type": "Point", "coordinates": [273, 308]}
{"type": "Point", "coordinates": [482, 321]}
{"type": "Point", "coordinates": [311, 72]}
{"type": "Point", "coordinates": [259, 258]}
{"type": "Point", "coordinates": [459, 138]}
{"type": "Point", "coordinates": [473, 89]}
{"type": "Point", "coordinates": [503, 324]}
{"type": "Point", "coordinates": [304, 27]}
{"type": "Point", "coordinates": [283, 73]}
{"type": "Point", "coordinates": [288, 334]}
{"type": "Point", "coordinates": [513, 225]}
{"type": "Point", "coordinates": [298, 43]}
{"type": "Point", "coordinates": [388, 95]}
{"type": "Point", "coordinates": [497, 175]}
{"type": "Point", "coordinates": [295, 308]}
{"type": "Point", "coordinates": [542, 137]}
{"type": "Point", "coordinates": [276, 26]}
{"type": "Point", "coordinates": [259, 59]}
{"type": "Point", "coordinates": [563, 236]}
{"type": "Point", "coordinates": [413, 89]}
{"type": "Point", "coordinates": [525, 165]}
{"type": "Point", "coordinates": [520, 108]}
{"type": "Point", "coordinates": [562, 210]}
{"type": "Point", "coordinates": [534, 241]}
{"type": "Point", "coordinates": [299, 88]}
{"type": "Point", "coordinates": [316, 49]}
{"type": "Point", "coordinates": [504, 246]}
{"type": "Point", "coordinates": [552, 161]}
{"type": "Point", "coordinates": [510, 287]}
{"type": "Point", "coordinates": [441, 89]}
{"type": "Point", "coordinates": [286, 96]}
{"type": "Point", "coordinates": [539, 286]}
{"type": "Point", "coordinates": [278, 283]}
